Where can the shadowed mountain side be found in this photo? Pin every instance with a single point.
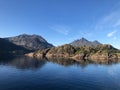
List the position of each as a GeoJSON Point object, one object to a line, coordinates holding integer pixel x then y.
{"type": "Point", "coordinates": [7, 48]}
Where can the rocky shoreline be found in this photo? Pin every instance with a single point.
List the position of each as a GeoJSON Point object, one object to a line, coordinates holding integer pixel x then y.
{"type": "Point", "coordinates": [70, 52]}
{"type": "Point", "coordinates": [94, 57]}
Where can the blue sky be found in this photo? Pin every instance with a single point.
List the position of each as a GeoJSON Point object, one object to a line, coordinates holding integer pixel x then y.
{"type": "Point", "coordinates": [62, 21]}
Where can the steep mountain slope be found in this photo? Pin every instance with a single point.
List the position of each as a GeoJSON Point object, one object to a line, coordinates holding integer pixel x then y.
{"type": "Point", "coordinates": [31, 42]}
{"type": "Point", "coordinates": [84, 42]}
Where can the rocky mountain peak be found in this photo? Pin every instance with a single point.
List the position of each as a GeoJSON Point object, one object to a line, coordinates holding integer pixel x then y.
{"type": "Point", "coordinates": [31, 42]}
{"type": "Point", "coordinates": [85, 42]}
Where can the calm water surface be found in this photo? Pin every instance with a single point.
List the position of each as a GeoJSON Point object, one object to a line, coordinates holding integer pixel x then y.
{"type": "Point", "coordinates": [23, 73]}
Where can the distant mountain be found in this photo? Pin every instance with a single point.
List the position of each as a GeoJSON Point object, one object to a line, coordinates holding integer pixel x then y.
{"type": "Point", "coordinates": [31, 42]}
{"type": "Point", "coordinates": [8, 48]}
{"type": "Point", "coordinates": [84, 42]}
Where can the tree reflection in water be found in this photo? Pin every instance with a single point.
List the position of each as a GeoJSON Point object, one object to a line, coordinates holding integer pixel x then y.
{"type": "Point", "coordinates": [22, 62]}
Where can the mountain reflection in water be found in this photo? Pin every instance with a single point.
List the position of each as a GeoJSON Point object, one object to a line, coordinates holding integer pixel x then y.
{"type": "Point", "coordinates": [24, 73]}
{"type": "Point", "coordinates": [22, 62]}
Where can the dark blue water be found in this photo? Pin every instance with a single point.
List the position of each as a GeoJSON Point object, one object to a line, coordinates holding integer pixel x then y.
{"type": "Point", "coordinates": [22, 73]}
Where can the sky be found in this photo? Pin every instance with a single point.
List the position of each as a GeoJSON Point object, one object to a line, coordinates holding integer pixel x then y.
{"type": "Point", "coordinates": [62, 21]}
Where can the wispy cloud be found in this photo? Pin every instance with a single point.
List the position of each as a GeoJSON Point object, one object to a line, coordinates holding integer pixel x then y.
{"type": "Point", "coordinates": [60, 29]}
{"type": "Point", "coordinates": [111, 33]}
{"type": "Point", "coordinates": [117, 23]}
{"type": "Point", "coordinates": [109, 26]}
{"type": "Point", "coordinates": [110, 20]}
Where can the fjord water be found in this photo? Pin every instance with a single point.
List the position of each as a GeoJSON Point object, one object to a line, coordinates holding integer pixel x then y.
{"type": "Point", "coordinates": [23, 73]}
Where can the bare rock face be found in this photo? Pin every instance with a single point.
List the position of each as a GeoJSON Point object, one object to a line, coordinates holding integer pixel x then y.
{"type": "Point", "coordinates": [57, 55]}
{"type": "Point", "coordinates": [30, 54]}
{"type": "Point", "coordinates": [98, 56]}
{"type": "Point", "coordinates": [79, 56]}
{"type": "Point", "coordinates": [103, 57]}
{"type": "Point", "coordinates": [113, 57]}
{"type": "Point", "coordinates": [38, 55]}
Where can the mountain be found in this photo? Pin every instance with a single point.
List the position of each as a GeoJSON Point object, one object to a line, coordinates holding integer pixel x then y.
{"type": "Point", "coordinates": [100, 53]}
{"type": "Point", "coordinates": [84, 42]}
{"type": "Point", "coordinates": [8, 48]}
{"type": "Point", "coordinates": [30, 42]}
